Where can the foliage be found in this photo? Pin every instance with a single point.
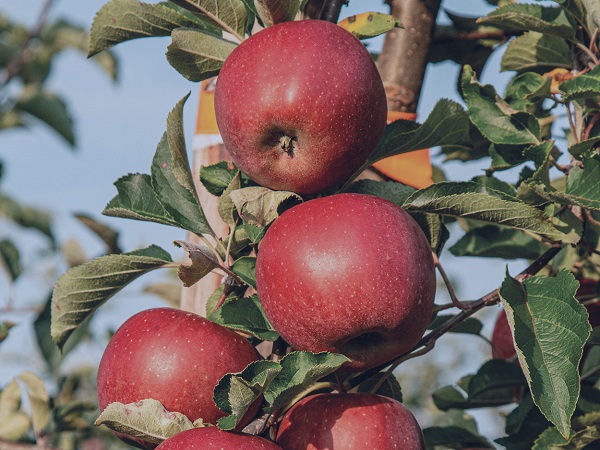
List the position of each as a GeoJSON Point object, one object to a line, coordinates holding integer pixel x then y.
{"type": "Point", "coordinates": [29, 410]}
{"type": "Point", "coordinates": [549, 212]}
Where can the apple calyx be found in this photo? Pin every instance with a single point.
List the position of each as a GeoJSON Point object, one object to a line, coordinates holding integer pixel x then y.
{"type": "Point", "coordinates": [287, 144]}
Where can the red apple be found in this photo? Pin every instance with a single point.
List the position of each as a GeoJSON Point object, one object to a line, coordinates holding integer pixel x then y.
{"type": "Point", "coordinates": [211, 438]}
{"type": "Point", "coordinates": [172, 356]}
{"type": "Point", "coordinates": [300, 106]}
{"type": "Point", "coordinates": [350, 274]}
{"type": "Point", "coordinates": [503, 346]}
{"type": "Point", "coordinates": [349, 421]}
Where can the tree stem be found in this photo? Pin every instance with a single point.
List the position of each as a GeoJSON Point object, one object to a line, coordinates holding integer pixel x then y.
{"type": "Point", "coordinates": [404, 55]}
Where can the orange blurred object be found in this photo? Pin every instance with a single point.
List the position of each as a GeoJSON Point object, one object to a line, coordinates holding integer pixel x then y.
{"type": "Point", "coordinates": [414, 168]}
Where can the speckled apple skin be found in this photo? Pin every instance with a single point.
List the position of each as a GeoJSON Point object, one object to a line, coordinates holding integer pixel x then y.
{"type": "Point", "coordinates": [172, 356]}
{"type": "Point", "coordinates": [211, 438]}
{"type": "Point", "coordinates": [311, 80]}
{"type": "Point", "coordinates": [503, 346]}
{"type": "Point", "coordinates": [350, 274]}
{"type": "Point", "coordinates": [349, 422]}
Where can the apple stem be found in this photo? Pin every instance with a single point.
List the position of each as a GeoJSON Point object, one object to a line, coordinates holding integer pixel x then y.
{"type": "Point", "coordinates": [455, 301]}
{"type": "Point", "coordinates": [428, 341]}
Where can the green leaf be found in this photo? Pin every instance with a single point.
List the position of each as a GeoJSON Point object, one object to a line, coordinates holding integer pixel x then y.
{"type": "Point", "coordinates": [123, 20]}
{"type": "Point", "coordinates": [39, 401]}
{"type": "Point", "coordinates": [51, 354]}
{"type": "Point", "coordinates": [226, 208]}
{"type": "Point", "coordinates": [494, 118]}
{"type": "Point", "coordinates": [14, 422]}
{"type": "Point", "coordinates": [583, 86]}
{"type": "Point", "coordinates": [535, 50]}
{"type": "Point", "coordinates": [260, 206]}
{"type": "Point", "coordinates": [137, 200]}
{"type": "Point", "coordinates": [300, 370]}
{"type": "Point", "coordinates": [579, 148]}
{"type": "Point", "coordinates": [243, 267]}
{"type": "Point", "coordinates": [83, 289]}
{"type": "Point", "coordinates": [550, 330]}
{"type": "Point", "coordinates": [245, 315]}
{"type": "Point", "coordinates": [393, 191]}
{"type": "Point", "coordinates": [551, 438]}
{"type": "Point", "coordinates": [581, 186]}
{"type": "Point", "coordinates": [475, 201]}
{"type": "Point", "coordinates": [447, 124]}
{"type": "Point", "coordinates": [582, 183]}
{"type": "Point", "coordinates": [527, 91]}
{"type": "Point", "coordinates": [49, 108]}
{"type": "Point", "coordinates": [147, 420]}
{"type": "Point", "coordinates": [594, 338]}
{"type": "Point", "coordinates": [229, 15]}
{"type": "Point", "coordinates": [217, 177]}
{"type": "Point", "coordinates": [493, 241]}
{"type": "Point", "coordinates": [492, 385]}
{"type": "Point", "coordinates": [236, 393]}
{"type": "Point", "coordinates": [520, 17]}
{"type": "Point", "coordinates": [389, 388]}
{"type": "Point", "coordinates": [524, 424]}
{"type": "Point", "coordinates": [172, 178]}
{"type": "Point", "coordinates": [107, 234]}
{"type": "Point", "coordinates": [468, 326]}
{"type": "Point", "coordinates": [370, 24]}
{"type": "Point", "coordinates": [453, 437]}
{"type": "Point", "coordinates": [203, 261]}
{"type": "Point", "coordinates": [10, 259]}
{"type": "Point", "coordinates": [274, 12]}
{"type": "Point", "coordinates": [4, 329]}
{"type": "Point", "coordinates": [198, 55]}
{"type": "Point", "coordinates": [26, 216]}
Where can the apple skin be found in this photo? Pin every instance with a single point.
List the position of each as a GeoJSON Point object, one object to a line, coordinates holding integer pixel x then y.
{"type": "Point", "coordinates": [175, 357]}
{"type": "Point", "coordinates": [350, 274]}
{"type": "Point", "coordinates": [503, 346]}
{"type": "Point", "coordinates": [313, 82]}
{"type": "Point", "coordinates": [349, 421]}
{"type": "Point", "coordinates": [211, 438]}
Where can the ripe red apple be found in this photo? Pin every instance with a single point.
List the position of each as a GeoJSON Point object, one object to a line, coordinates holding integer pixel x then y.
{"type": "Point", "coordinates": [503, 346]}
{"type": "Point", "coordinates": [349, 421]}
{"type": "Point", "coordinates": [211, 438]}
{"type": "Point", "coordinates": [350, 274]}
{"type": "Point", "coordinates": [300, 105]}
{"type": "Point", "coordinates": [172, 356]}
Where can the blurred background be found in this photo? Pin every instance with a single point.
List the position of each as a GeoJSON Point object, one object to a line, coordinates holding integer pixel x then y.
{"type": "Point", "coordinates": [117, 125]}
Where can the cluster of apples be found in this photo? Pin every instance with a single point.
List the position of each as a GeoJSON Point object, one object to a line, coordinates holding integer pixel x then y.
{"type": "Point", "coordinates": [300, 105]}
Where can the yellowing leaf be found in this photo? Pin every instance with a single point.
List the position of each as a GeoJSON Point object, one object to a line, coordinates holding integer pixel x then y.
{"type": "Point", "coordinates": [370, 24]}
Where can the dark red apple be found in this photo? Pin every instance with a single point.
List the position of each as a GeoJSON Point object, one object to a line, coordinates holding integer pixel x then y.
{"type": "Point", "coordinates": [172, 356]}
{"type": "Point", "coordinates": [300, 105]}
{"type": "Point", "coordinates": [350, 274]}
{"type": "Point", "coordinates": [349, 421]}
{"type": "Point", "coordinates": [211, 438]}
{"type": "Point", "coordinates": [503, 346]}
